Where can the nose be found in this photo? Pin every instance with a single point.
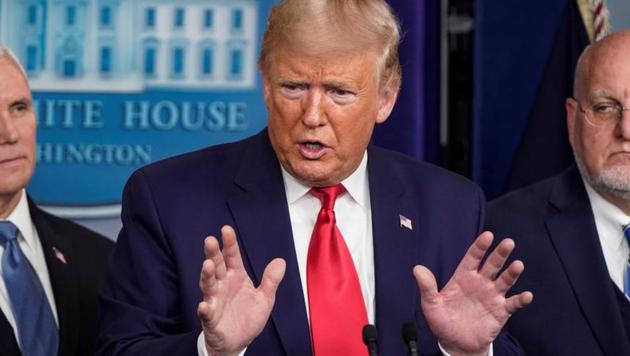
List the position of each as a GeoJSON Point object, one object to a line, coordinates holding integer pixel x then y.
{"type": "Point", "coordinates": [8, 130]}
{"type": "Point", "coordinates": [313, 114]}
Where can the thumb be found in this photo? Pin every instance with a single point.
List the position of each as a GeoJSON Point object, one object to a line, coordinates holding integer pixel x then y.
{"type": "Point", "coordinates": [426, 284]}
{"type": "Point", "coordinates": [272, 276]}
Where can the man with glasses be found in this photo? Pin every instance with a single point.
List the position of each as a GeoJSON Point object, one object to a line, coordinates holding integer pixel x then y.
{"type": "Point", "coordinates": [572, 230]}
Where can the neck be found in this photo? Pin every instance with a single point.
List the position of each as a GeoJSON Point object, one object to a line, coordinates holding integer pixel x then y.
{"type": "Point", "coordinates": [8, 203]}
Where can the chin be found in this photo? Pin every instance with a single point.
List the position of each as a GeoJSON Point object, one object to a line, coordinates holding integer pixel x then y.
{"type": "Point", "coordinates": [615, 180]}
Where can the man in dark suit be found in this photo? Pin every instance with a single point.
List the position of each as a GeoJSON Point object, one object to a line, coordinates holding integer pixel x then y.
{"type": "Point", "coordinates": [330, 73]}
{"type": "Point", "coordinates": [571, 230]}
{"type": "Point", "coordinates": [50, 266]}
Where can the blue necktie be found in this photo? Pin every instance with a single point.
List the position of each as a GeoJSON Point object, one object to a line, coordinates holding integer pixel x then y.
{"type": "Point", "coordinates": [626, 285]}
{"type": "Point", "coordinates": [37, 330]}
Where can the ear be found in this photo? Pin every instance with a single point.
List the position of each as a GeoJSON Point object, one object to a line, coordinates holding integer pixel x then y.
{"type": "Point", "coordinates": [571, 107]}
{"type": "Point", "coordinates": [386, 99]}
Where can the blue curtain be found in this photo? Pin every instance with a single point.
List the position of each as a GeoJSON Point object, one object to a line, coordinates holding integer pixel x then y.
{"type": "Point", "coordinates": [412, 127]}
{"type": "Point", "coordinates": [525, 55]}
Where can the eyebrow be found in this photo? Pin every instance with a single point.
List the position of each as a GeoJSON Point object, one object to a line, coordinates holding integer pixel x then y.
{"type": "Point", "coordinates": [293, 81]}
{"type": "Point", "coordinates": [601, 93]}
{"type": "Point", "coordinates": [338, 84]}
{"type": "Point", "coordinates": [23, 100]}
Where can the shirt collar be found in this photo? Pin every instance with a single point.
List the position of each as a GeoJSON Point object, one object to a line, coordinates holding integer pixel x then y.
{"type": "Point", "coordinates": [356, 184]}
{"type": "Point", "coordinates": [21, 218]}
{"type": "Point", "coordinates": [608, 215]}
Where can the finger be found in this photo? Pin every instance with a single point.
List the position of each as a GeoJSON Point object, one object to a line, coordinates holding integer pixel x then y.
{"type": "Point", "coordinates": [272, 276]}
{"type": "Point", "coordinates": [207, 280]}
{"type": "Point", "coordinates": [519, 301]}
{"type": "Point", "coordinates": [207, 315]}
{"type": "Point", "coordinates": [426, 284]}
{"type": "Point", "coordinates": [212, 251]}
{"type": "Point", "coordinates": [497, 258]}
{"type": "Point", "coordinates": [475, 252]}
{"type": "Point", "coordinates": [209, 248]}
{"type": "Point", "coordinates": [231, 252]}
{"type": "Point", "coordinates": [506, 280]}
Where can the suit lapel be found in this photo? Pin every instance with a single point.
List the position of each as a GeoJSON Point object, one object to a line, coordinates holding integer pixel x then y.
{"type": "Point", "coordinates": [574, 236]}
{"type": "Point", "coordinates": [63, 276]}
{"type": "Point", "coordinates": [395, 250]}
{"type": "Point", "coordinates": [261, 216]}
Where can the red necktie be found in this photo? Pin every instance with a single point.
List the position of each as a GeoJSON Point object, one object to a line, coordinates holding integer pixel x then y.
{"type": "Point", "coordinates": [335, 301]}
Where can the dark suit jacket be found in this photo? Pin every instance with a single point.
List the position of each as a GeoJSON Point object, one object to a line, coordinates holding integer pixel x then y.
{"type": "Point", "coordinates": [151, 294]}
{"type": "Point", "coordinates": [575, 310]}
{"type": "Point", "coordinates": [74, 283]}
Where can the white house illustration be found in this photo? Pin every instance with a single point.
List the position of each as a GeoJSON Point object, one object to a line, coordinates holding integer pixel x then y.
{"type": "Point", "coordinates": [133, 45]}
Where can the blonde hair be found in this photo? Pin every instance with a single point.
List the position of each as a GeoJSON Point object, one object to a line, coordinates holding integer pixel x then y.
{"type": "Point", "coordinates": [325, 26]}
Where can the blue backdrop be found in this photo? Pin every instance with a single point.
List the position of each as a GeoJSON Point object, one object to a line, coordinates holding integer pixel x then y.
{"type": "Point", "coordinates": [525, 55]}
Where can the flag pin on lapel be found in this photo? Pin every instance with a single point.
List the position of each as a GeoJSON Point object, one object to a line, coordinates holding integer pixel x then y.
{"type": "Point", "coordinates": [405, 222]}
{"type": "Point", "coordinates": [59, 255]}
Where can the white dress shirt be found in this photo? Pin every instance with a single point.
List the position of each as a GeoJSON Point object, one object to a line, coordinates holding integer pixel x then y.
{"type": "Point", "coordinates": [353, 213]}
{"type": "Point", "coordinates": [28, 239]}
{"type": "Point", "coordinates": [610, 221]}
{"type": "Point", "coordinates": [354, 220]}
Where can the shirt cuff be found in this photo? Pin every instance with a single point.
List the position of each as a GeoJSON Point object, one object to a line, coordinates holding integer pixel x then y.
{"type": "Point", "coordinates": [201, 346]}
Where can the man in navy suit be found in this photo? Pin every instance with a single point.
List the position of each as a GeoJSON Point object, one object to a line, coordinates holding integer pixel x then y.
{"type": "Point", "coordinates": [331, 72]}
{"type": "Point", "coordinates": [63, 260]}
{"type": "Point", "coordinates": [571, 229]}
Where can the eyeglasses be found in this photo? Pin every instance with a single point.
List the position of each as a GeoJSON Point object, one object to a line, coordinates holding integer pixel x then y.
{"type": "Point", "coordinates": [602, 114]}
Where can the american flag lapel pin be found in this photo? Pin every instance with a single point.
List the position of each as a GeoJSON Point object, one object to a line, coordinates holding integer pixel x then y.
{"type": "Point", "coordinates": [405, 222]}
{"type": "Point", "coordinates": [59, 255]}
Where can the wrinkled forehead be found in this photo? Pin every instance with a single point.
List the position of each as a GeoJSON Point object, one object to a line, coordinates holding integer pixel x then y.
{"type": "Point", "coordinates": [336, 60]}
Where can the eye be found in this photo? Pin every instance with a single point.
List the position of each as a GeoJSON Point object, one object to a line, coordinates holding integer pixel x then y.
{"type": "Point", "coordinates": [19, 108]}
{"type": "Point", "coordinates": [292, 90]}
{"type": "Point", "coordinates": [605, 108]}
{"type": "Point", "coordinates": [341, 96]}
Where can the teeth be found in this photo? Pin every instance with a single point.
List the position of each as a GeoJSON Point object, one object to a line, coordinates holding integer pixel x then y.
{"type": "Point", "coordinates": [313, 146]}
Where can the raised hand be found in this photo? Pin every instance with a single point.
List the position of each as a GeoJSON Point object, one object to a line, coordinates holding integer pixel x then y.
{"type": "Point", "coordinates": [470, 311]}
{"type": "Point", "coordinates": [233, 311]}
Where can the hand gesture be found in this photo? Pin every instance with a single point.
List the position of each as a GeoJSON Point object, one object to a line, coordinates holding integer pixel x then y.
{"type": "Point", "coordinates": [233, 312]}
{"type": "Point", "coordinates": [470, 311]}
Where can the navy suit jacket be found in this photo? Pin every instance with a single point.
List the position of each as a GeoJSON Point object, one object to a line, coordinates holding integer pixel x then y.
{"type": "Point", "coordinates": [575, 309]}
{"type": "Point", "coordinates": [152, 291]}
{"type": "Point", "coordinates": [74, 283]}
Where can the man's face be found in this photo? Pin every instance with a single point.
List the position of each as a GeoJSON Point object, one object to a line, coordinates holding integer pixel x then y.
{"type": "Point", "coordinates": [603, 151]}
{"type": "Point", "coordinates": [17, 130]}
{"type": "Point", "coordinates": [322, 111]}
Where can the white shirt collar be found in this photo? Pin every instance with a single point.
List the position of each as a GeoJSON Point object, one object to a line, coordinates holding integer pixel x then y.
{"type": "Point", "coordinates": [608, 216]}
{"type": "Point", "coordinates": [21, 218]}
{"type": "Point", "coordinates": [356, 184]}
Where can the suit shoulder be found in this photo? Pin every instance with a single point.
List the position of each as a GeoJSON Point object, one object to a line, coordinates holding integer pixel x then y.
{"type": "Point", "coordinates": [79, 234]}
{"type": "Point", "coordinates": [413, 169]}
{"type": "Point", "coordinates": [523, 212]}
{"type": "Point", "coordinates": [209, 168]}
{"type": "Point", "coordinates": [532, 196]}
{"type": "Point", "coordinates": [220, 156]}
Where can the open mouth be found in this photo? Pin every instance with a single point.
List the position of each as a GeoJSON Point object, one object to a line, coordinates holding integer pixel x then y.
{"type": "Point", "coordinates": [312, 149]}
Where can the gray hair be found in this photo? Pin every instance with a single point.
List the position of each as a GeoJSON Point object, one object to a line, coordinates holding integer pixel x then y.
{"type": "Point", "coordinates": [6, 52]}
